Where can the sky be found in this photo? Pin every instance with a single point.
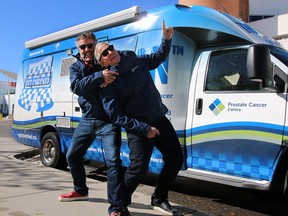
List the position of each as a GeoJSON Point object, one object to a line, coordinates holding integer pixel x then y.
{"type": "Point", "coordinates": [24, 20]}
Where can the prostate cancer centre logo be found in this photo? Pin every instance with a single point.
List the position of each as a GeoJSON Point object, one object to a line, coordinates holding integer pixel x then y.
{"type": "Point", "coordinates": [217, 106]}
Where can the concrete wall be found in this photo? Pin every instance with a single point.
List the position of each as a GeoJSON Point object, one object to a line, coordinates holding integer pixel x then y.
{"type": "Point", "coordinates": [275, 27]}
{"type": "Point", "coordinates": [268, 7]}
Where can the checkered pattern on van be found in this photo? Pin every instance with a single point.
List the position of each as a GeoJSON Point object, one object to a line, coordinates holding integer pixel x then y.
{"type": "Point", "coordinates": [238, 164]}
{"type": "Point", "coordinates": [37, 85]}
{"type": "Point", "coordinates": [95, 152]}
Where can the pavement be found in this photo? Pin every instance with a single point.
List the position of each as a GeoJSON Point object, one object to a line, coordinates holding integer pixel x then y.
{"type": "Point", "coordinates": [27, 188]}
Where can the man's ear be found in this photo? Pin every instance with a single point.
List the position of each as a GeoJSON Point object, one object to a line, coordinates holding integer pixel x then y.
{"type": "Point", "coordinates": [102, 64]}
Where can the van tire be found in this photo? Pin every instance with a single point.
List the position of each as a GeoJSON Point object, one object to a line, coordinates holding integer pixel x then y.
{"type": "Point", "coordinates": [50, 151]}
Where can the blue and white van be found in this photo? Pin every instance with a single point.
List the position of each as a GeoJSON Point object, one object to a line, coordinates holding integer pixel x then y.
{"type": "Point", "coordinates": [225, 85]}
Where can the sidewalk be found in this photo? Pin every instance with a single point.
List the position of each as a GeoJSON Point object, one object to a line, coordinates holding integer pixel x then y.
{"type": "Point", "coordinates": [29, 189]}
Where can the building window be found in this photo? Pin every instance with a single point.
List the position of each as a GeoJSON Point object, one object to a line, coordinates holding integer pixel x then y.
{"type": "Point", "coordinates": [259, 17]}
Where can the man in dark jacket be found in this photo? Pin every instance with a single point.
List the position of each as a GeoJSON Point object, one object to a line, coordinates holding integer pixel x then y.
{"type": "Point", "coordinates": [134, 103]}
{"type": "Point", "coordinates": [86, 81]}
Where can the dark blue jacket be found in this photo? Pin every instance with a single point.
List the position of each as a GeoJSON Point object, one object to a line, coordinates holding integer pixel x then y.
{"type": "Point", "coordinates": [132, 101]}
{"type": "Point", "coordinates": [85, 83]}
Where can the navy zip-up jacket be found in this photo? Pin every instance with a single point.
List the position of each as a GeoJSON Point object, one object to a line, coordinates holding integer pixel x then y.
{"type": "Point", "coordinates": [85, 83]}
{"type": "Point", "coordinates": [132, 101]}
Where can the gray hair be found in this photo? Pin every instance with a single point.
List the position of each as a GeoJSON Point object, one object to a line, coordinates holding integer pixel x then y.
{"type": "Point", "coordinates": [87, 35]}
{"type": "Point", "coordinates": [97, 54]}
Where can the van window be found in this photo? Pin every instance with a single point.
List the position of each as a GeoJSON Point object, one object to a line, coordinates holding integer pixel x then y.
{"type": "Point", "coordinates": [227, 71]}
{"type": "Point", "coordinates": [126, 43]}
{"type": "Point", "coordinates": [65, 64]}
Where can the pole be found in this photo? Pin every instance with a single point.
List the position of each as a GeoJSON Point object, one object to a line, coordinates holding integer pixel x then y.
{"type": "Point", "coordinates": [8, 92]}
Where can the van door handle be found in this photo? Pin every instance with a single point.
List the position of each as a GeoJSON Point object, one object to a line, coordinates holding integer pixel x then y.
{"type": "Point", "coordinates": [199, 106]}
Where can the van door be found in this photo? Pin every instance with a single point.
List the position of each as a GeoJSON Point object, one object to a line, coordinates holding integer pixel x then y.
{"type": "Point", "coordinates": [237, 124]}
{"type": "Point", "coordinates": [72, 109]}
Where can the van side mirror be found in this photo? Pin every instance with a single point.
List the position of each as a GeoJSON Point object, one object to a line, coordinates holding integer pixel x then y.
{"type": "Point", "coordinates": [258, 63]}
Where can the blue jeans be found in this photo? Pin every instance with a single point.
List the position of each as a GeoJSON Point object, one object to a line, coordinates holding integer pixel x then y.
{"type": "Point", "coordinates": [84, 135]}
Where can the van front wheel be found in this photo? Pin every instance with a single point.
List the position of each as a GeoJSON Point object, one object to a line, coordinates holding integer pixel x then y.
{"type": "Point", "coordinates": [50, 151]}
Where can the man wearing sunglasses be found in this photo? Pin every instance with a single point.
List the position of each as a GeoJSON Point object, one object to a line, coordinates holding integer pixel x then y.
{"type": "Point", "coordinates": [134, 103]}
{"type": "Point", "coordinates": [87, 77]}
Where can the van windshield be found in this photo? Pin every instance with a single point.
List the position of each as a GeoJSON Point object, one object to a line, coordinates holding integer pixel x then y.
{"type": "Point", "coordinates": [279, 53]}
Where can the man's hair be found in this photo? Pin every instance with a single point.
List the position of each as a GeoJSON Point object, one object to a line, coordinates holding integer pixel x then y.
{"type": "Point", "coordinates": [96, 53]}
{"type": "Point", "coordinates": [87, 35]}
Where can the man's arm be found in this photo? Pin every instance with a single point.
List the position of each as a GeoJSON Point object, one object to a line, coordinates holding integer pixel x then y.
{"type": "Point", "coordinates": [155, 59]}
{"type": "Point", "coordinates": [112, 106]}
{"type": "Point", "coordinates": [80, 85]}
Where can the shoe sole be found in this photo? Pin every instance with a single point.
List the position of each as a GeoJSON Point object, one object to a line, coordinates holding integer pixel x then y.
{"type": "Point", "coordinates": [85, 198]}
{"type": "Point", "coordinates": [161, 210]}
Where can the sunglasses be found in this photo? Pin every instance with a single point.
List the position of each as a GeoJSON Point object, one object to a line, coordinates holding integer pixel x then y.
{"type": "Point", "coordinates": [83, 46]}
{"type": "Point", "coordinates": [105, 52]}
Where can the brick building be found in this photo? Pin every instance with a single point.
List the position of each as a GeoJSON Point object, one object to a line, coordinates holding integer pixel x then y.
{"type": "Point", "coordinates": [237, 8]}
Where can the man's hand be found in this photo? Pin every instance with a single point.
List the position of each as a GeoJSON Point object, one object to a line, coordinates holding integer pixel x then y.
{"type": "Point", "coordinates": [153, 132]}
{"type": "Point", "coordinates": [109, 77]}
{"type": "Point", "coordinates": [167, 32]}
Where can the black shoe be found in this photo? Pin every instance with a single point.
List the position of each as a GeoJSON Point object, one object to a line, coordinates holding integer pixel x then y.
{"type": "Point", "coordinates": [164, 207]}
{"type": "Point", "coordinates": [125, 212]}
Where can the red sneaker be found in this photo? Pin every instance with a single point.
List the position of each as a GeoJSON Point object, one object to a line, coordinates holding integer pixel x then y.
{"type": "Point", "coordinates": [72, 196]}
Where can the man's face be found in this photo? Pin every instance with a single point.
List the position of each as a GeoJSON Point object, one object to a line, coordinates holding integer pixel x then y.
{"type": "Point", "coordinates": [86, 49]}
{"type": "Point", "coordinates": [109, 56]}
